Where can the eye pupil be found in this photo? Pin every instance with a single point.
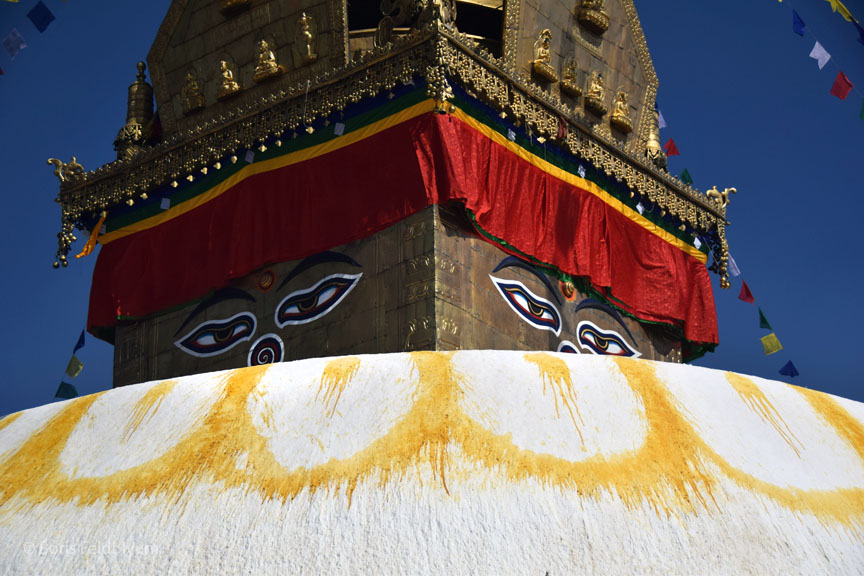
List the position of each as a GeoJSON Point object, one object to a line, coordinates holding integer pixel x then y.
{"type": "Point", "coordinates": [224, 334]}
{"type": "Point", "coordinates": [308, 304]}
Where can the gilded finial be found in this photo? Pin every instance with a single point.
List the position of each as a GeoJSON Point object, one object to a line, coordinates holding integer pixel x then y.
{"type": "Point", "coordinates": [620, 118]}
{"type": "Point", "coordinates": [543, 56]}
{"type": "Point", "coordinates": [227, 86]}
{"type": "Point", "coordinates": [267, 67]}
{"type": "Point", "coordinates": [653, 147]}
{"type": "Point", "coordinates": [721, 198]}
{"type": "Point", "coordinates": [192, 93]}
{"type": "Point", "coordinates": [139, 117]}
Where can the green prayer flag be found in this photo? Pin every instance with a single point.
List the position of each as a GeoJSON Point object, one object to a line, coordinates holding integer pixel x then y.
{"type": "Point", "coordinates": [75, 366]}
{"type": "Point", "coordinates": [861, 114]}
{"type": "Point", "coordinates": [686, 178]}
{"type": "Point", "coordinates": [763, 322]}
{"type": "Point", "coordinates": [66, 391]}
{"type": "Point", "coordinates": [771, 344]}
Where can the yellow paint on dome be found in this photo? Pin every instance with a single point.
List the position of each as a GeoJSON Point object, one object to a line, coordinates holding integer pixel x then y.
{"type": "Point", "coordinates": [146, 407]}
{"type": "Point", "coordinates": [9, 419]}
{"type": "Point", "coordinates": [674, 471]}
{"type": "Point", "coordinates": [755, 399]}
{"type": "Point", "coordinates": [337, 374]}
{"type": "Point", "coordinates": [555, 371]}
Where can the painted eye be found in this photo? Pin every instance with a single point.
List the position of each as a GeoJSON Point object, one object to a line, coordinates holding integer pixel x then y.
{"type": "Point", "coordinates": [307, 305]}
{"type": "Point", "coordinates": [535, 310]}
{"type": "Point", "coordinates": [599, 341]}
{"type": "Point", "coordinates": [568, 347]}
{"type": "Point", "coordinates": [216, 336]}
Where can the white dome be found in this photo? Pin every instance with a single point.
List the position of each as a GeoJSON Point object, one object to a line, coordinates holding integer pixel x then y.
{"type": "Point", "coordinates": [481, 462]}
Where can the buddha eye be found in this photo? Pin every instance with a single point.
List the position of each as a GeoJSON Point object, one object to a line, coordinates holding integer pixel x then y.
{"type": "Point", "coordinates": [216, 336]}
{"type": "Point", "coordinates": [568, 347]}
{"type": "Point", "coordinates": [599, 341]}
{"type": "Point", "coordinates": [312, 303]}
{"type": "Point", "coordinates": [535, 310]}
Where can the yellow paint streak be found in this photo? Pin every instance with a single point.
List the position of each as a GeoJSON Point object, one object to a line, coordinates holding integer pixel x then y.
{"type": "Point", "coordinates": [337, 374]}
{"type": "Point", "coordinates": [146, 407]}
{"type": "Point", "coordinates": [755, 399]}
{"type": "Point", "coordinates": [9, 419]}
{"type": "Point", "coordinates": [847, 426]}
{"type": "Point", "coordinates": [555, 371]}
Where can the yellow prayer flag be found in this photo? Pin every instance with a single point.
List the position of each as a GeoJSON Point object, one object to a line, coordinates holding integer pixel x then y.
{"type": "Point", "coordinates": [838, 6]}
{"type": "Point", "coordinates": [75, 366]}
{"type": "Point", "coordinates": [771, 344]}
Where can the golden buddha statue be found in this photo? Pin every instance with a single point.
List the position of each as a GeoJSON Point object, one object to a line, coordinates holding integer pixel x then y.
{"type": "Point", "coordinates": [596, 95]}
{"type": "Point", "coordinates": [570, 78]}
{"type": "Point", "coordinates": [267, 66]}
{"type": "Point", "coordinates": [621, 113]}
{"type": "Point", "coordinates": [228, 86]}
{"type": "Point", "coordinates": [543, 57]}
{"type": "Point", "coordinates": [192, 93]}
{"type": "Point", "coordinates": [592, 16]}
{"type": "Point", "coordinates": [307, 39]}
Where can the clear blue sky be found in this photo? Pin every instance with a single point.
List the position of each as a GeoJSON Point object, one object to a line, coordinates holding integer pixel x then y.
{"type": "Point", "coordinates": [746, 105]}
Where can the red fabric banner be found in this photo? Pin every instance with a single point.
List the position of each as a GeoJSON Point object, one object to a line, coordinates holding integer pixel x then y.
{"type": "Point", "coordinates": [350, 193]}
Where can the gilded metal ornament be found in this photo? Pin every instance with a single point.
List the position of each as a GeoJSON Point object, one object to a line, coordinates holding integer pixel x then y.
{"type": "Point", "coordinates": [267, 67]}
{"type": "Point", "coordinates": [721, 198]}
{"type": "Point", "coordinates": [543, 56]}
{"type": "Point", "coordinates": [66, 171]}
{"type": "Point", "coordinates": [653, 148]}
{"type": "Point", "coordinates": [592, 16]}
{"type": "Point", "coordinates": [307, 40]}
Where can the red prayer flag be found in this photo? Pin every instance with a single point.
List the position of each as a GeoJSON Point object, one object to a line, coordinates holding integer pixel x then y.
{"type": "Point", "coordinates": [1, 72]}
{"type": "Point", "coordinates": [745, 294]}
{"type": "Point", "coordinates": [670, 148]}
{"type": "Point", "coordinates": [842, 86]}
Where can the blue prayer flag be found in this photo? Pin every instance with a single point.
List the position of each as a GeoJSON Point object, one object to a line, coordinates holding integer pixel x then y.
{"type": "Point", "coordinates": [66, 391]}
{"type": "Point", "coordinates": [40, 16]}
{"type": "Point", "coordinates": [788, 369]}
{"type": "Point", "coordinates": [80, 343]}
{"type": "Point", "coordinates": [860, 32]}
{"type": "Point", "coordinates": [797, 24]}
{"type": "Point", "coordinates": [14, 43]}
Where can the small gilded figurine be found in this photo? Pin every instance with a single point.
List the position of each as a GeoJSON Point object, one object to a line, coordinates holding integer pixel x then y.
{"type": "Point", "coordinates": [569, 78]}
{"type": "Point", "coordinates": [543, 56]}
{"type": "Point", "coordinates": [621, 113]}
{"type": "Point", "coordinates": [596, 95]}
{"type": "Point", "coordinates": [228, 86]}
{"type": "Point", "coordinates": [192, 93]}
{"type": "Point", "coordinates": [307, 40]}
{"type": "Point", "coordinates": [267, 66]}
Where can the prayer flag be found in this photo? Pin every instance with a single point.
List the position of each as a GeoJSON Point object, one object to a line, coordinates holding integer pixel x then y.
{"type": "Point", "coordinates": [771, 344]}
{"type": "Point", "coordinates": [860, 114]}
{"type": "Point", "coordinates": [250, 156]}
{"type": "Point", "coordinates": [75, 366]}
{"type": "Point", "coordinates": [686, 178]}
{"type": "Point", "coordinates": [697, 243]}
{"type": "Point", "coordinates": [80, 343]}
{"type": "Point", "coordinates": [671, 149]}
{"type": "Point", "coordinates": [66, 391]}
{"type": "Point", "coordinates": [40, 16]}
{"type": "Point", "coordinates": [745, 294]}
{"type": "Point", "coordinates": [788, 369]}
{"type": "Point", "coordinates": [581, 171]}
{"type": "Point", "coordinates": [797, 24]}
{"type": "Point", "coordinates": [842, 86]}
{"type": "Point", "coordinates": [860, 32]}
{"type": "Point", "coordinates": [660, 120]}
{"type": "Point", "coordinates": [640, 208]}
{"type": "Point", "coordinates": [763, 322]}
{"type": "Point", "coordinates": [1, 72]}
{"type": "Point", "coordinates": [820, 55]}
{"type": "Point", "coordinates": [837, 6]}
{"type": "Point", "coordinates": [732, 267]}
{"type": "Point", "coordinates": [14, 43]}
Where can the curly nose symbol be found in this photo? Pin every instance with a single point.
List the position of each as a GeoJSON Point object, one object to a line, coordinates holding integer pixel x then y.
{"type": "Point", "coordinates": [266, 350]}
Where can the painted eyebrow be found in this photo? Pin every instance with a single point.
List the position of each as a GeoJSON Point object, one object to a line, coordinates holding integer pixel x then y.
{"type": "Point", "coordinates": [218, 296]}
{"type": "Point", "coordinates": [597, 305]}
{"type": "Point", "coordinates": [315, 260]}
{"type": "Point", "coordinates": [513, 262]}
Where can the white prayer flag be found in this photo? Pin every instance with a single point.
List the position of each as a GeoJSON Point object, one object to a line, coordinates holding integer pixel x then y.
{"type": "Point", "coordinates": [640, 208]}
{"type": "Point", "coordinates": [250, 156]}
{"type": "Point", "coordinates": [581, 171]}
{"type": "Point", "coordinates": [511, 135]}
{"type": "Point", "coordinates": [820, 55]}
{"type": "Point", "coordinates": [165, 204]}
{"type": "Point", "coordinates": [697, 243]}
{"type": "Point", "coordinates": [660, 120]}
{"type": "Point", "coordinates": [732, 267]}
{"type": "Point", "coordinates": [338, 129]}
